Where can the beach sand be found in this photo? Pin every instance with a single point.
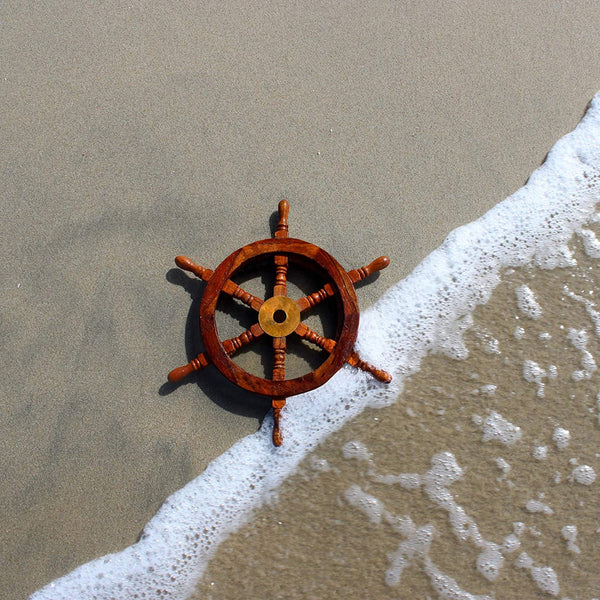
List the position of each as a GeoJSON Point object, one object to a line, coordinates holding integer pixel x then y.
{"type": "Point", "coordinates": [134, 132]}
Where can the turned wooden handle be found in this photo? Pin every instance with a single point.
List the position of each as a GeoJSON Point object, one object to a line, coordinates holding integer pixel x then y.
{"type": "Point", "coordinates": [179, 373]}
{"type": "Point", "coordinates": [355, 275]}
{"type": "Point", "coordinates": [196, 364]}
{"type": "Point", "coordinates": [377, 265]}
{"type": "Point", "coordinates": [277, 406]}
{"type": "Point", "coordinates": [183, 262]}
{"type": "Point", "coordinates": [229, 287]}
{"type": "Point", "coordinates": [355, 361]}
{"type": "Point", "coordinates": [282, 226]}
{"type": "Point", "coordinates": [231, 347]}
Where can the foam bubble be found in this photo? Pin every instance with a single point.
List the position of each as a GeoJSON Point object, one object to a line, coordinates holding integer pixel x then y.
{"type": "Point", "coordinates": [489, 389]}
{"type": "Point", "coordinates": [569, 534]}
{"type": "Point", "coordinates": [546, 580]}
{"type": "Point", "coordinates": [498, 429]}
{"type": "Point", "coordinates": [534, 224]}
{"type": "Point", "coordinates": [370, 506]}
{"type": "Point", "coordinates": [544, 577]}
{"type": "Point", "coordinates": [489, 344]}
{"type": "Point", "coordinates": [447, 587]}
{"type": "Point", "coordinates": [511, 543]}
{"type": "Point", "coordinates": [527, 302]}
{"type": "Point", "coordinates": [589, 307]}
{"type": "Point", "coordinates": [591, 245]}
{"type": "Point", "coordinates": [356, 450]}
{"type": "Point", "coordinates": [533, 373]}
{"type": "Point", "coordinates": [489, 562]}
{"type": "Point", "coordinates": [416, 546]}
{"type": "Point", "coordinates": [561, 437]}
{"type": "Point", "coordinates": [583, 474]}
{"type": "Point", "coordinates": [319, 464]}
{"type": "Point", "coordinates": [503, 465]}
{"type": "Point", "coordinates": [519, 332]}
{"type": "Point", "coordinates": [579, 339]}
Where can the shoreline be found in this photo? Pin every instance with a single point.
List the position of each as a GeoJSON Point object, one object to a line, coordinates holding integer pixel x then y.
{"type": "Point", "coordinates": [134, 134]}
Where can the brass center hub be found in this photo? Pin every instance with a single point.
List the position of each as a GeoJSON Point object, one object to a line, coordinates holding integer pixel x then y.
{"type": "Point", "coordinates": [279, 316]}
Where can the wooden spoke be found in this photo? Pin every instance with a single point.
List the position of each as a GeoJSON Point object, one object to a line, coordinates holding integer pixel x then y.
{"type": "Point", "coordinates": [315, 298]}
{"type": "Point", "coordinates": [277, 405]}
{"type": "Point", "coordinates": [306, 333]}
{"type": "Point", "coordinates": [361, 273]}
{"type": "Point", "coordinates": [353, 359]}
{"type": "Point", "coordinates": [195, 364]}
{"type": "Point", "coordinates": [280, 343]}
{"type": "Point", "coordinates": [281, 267]}
{"type": "Point", "coordinates": [281, 261]}
{"type": "Point", "coordinates": [355, 275]}
{"type": "Point", "coordinates": [279, 348]}
{"type": "Point", "coordinates": [229, 287]}
{"type": "Point", "coordinates": [231, 346]}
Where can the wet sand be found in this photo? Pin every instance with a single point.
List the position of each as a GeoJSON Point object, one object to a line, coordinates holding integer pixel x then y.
{"type": "Point", "coordinates": [312, 542]}
{"type": "Point", "coordinates": [135, 132]}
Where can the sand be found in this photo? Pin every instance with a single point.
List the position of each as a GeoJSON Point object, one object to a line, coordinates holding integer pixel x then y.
{"type": "Point", "coordinates": [133, 132]}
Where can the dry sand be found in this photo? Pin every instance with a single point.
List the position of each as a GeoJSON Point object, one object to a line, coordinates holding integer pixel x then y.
{"type": "Point", "coordinates": [133, 132]}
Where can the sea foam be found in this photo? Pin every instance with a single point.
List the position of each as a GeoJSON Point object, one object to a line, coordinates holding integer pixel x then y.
{"type": "Point", "coordinates": [426, 312]}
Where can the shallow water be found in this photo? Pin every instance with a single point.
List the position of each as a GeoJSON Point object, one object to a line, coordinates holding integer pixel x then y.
{"type": "Point", "coordinates": [518, 514]}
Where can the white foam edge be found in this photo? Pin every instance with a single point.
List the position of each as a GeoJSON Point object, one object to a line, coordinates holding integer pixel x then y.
{"type": "Point", "coordinates": [416, 316]}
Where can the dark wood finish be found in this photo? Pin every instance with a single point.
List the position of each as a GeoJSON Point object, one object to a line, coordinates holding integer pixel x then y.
{"type": "Point", "coordinates": [348, 317]}
{"type": "Point", "coordinates": [281, 260]}
{"type": "Point", "coordinates": [284, 252]}
{"type": "Point", "coordinates": [281, 267]}
{"type": "Point", "coordinates": [308, 334]}
{"type": "Point", "coordinates": [361, 273]}
{"type": "Point", "coordinates": [185, 263]}
{"type": "Point", "coordinates": [234, 344]}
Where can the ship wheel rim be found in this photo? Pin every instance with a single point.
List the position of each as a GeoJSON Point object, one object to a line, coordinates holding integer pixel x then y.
{"type": "Point", "coordinates": [347, 315]}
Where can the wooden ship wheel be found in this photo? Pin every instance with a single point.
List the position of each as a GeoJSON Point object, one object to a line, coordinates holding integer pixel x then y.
{"type": "Point", "coordinates": [280, 316]}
